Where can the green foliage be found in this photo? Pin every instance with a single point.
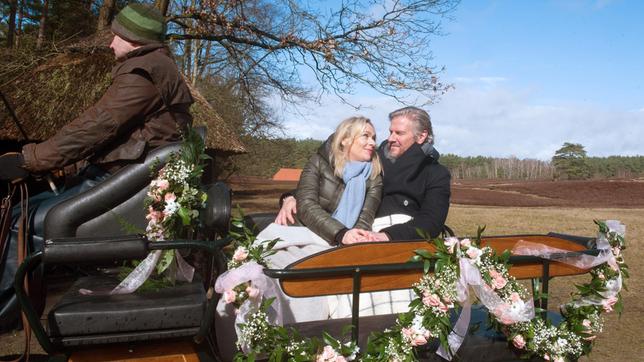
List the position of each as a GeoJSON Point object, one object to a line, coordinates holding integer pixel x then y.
{"type": "Point", "coordinates": [244, 240]}
{"type": "Point", "coordinates": [616, 166]}
{"type": "Point", "coordinates": [266, 155]}
{"type": "Point", "coordinates": [570, 162]}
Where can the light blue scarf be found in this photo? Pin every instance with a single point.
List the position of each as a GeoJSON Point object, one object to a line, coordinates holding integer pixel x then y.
{"type": "Point", "coordinates": [355, 176]}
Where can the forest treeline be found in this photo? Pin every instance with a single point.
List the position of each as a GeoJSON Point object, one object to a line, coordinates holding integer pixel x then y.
{"type": "Point", "coordinates": [266, 156]}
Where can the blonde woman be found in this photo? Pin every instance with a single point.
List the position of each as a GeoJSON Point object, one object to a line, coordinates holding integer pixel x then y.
{"type": "Point", "coordinates": [339, 192]}
{"type": "Point", "coordinates": [338, 195]}
{"type": "Point", "coordinates": [341, 185]}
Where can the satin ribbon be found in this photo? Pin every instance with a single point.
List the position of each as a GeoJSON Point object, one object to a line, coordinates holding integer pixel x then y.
{"type": "Point", "coordinates": [253, 273]}
{"type": "Point", "coordinates": [506, 312]}
{"type": "Point", "coordinates": [138, 276]}
{"type": "Point", "coordinates": [583, 261]}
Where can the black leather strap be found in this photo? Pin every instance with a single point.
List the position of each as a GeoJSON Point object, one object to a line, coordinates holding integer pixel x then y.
{"type": "Point", "coordinates": [79, 250]}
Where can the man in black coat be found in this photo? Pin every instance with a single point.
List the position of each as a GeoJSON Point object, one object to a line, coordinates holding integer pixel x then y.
{"type": "Point", "coordinates": [416, 188]}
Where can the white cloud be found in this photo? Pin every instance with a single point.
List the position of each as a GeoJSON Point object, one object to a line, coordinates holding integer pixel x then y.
{"type": "Point", "coordinates": [495, 120]}
{"type": "Point", "coordinates": [504, 122]}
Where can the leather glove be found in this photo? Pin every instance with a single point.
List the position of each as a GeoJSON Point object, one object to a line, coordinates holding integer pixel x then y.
{"type": "Point", "coordinates": [11, 167]}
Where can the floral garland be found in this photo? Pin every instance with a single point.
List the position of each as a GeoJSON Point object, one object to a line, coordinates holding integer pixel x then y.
{"type": "Point", "coordinates": [258, 336]}
{"type": "Point", "coordinates": [173, 202]}
{"type": "Point", "coordinates": [511, 311]}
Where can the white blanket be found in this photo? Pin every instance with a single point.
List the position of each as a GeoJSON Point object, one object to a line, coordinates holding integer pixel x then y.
{"type": "Point", "coordinates": [296, 242]}
{"type": "Point", "coordinates": [299, 242]}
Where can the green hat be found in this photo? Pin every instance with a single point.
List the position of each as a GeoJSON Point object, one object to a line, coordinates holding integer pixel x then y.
{"type": "Point", "coordinates": [140, 23]}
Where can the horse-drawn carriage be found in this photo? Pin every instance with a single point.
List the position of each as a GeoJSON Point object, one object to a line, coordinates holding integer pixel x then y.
{"type": "Point", "coordinates": [156, 324]}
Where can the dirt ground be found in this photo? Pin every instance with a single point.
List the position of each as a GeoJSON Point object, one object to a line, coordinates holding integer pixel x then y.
{"type": "Point", "coordinates": [518, 208]}
{"type": "Point", "coordinates": [257, 195]}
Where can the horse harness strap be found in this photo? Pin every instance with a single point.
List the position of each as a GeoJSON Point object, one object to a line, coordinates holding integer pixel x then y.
{"type": "Point", "coordinates": [5, 238]}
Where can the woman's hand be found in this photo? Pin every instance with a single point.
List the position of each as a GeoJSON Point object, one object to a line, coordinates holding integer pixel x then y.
{"type": "Point", "coordinates": [288, 209]}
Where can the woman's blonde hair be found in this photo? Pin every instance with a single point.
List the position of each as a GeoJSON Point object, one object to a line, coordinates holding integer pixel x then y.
{"type": "Point", "coordinates": [351, 128]}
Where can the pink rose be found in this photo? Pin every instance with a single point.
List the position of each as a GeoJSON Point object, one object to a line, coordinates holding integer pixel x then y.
{"type": "Point", "coordinates": [546, 357]}
{"type": "Point", "coordinates": [241, 253]}
{"type": "Point", "coordinates": [501, 309]}
{"type": "Point", "coordinates": [442, 307]}
{"type": "Point", "coordinates": [499, 282]}
{"type": "Point", "coordinates": [502, 315]}
{"type": "Point", "coordinates": [154, 216]}
{"type": "Point", "coordinates": [170, 196]}
{"type": "Point", "coordinates": [414, 337]}
{"type": "Point", "coordinates": [559, 359]}
{"type": "Point", "coordinates": [515, 297]}
{"type": "Point", "coordinates": [609, 303]}
{"type": "Point", "coordinates": [328, 354]}
{"type": "Point", "coordinates": [419, 340]}
{"type": "Point", "coordinates": [450, 243]}
{"type": "Point", "coordinates": [507, 319]}
{"type": "Point", "coordinates": [408, 332]}
{"type": "Point", "coordinates": [518, 341]}
{"type": "Point", "coordinates": [431, 300]}
{"type": "Point", "coordinates": [466, 243]}
{"type": "Point", "coordinates": [230, 296]}
{"type": "Point", "coordinates": [340, 359]}
{"type": "Point", "coordinates": [163, 184]}
{"type": "Point", "coordinates": [473, 253]}
{"type": "Point", "coordinates": [252, 292]}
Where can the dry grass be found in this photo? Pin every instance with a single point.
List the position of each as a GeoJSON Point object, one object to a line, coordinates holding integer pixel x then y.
{"type": "Point", "coordinates": [622, 339]}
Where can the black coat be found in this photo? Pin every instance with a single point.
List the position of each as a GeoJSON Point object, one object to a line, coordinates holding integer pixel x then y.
{"type": "Point", "coordinates": [418, 186]}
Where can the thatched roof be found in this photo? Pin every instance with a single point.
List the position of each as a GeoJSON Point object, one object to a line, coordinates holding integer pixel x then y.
{"type": "Point", "coordinates": [58, 89]}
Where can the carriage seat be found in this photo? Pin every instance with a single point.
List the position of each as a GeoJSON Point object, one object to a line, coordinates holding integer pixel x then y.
{"type": "Point", "coordinates": [112, 205]}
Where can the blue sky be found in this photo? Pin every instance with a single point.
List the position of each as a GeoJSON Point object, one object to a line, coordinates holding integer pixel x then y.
{"type": "Point", "coordinates": [528, 76]}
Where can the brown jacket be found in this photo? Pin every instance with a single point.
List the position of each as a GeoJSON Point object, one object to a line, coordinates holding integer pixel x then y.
{"type": "Point", "coordinates": [144, 107]}
{"type": "Point", "coordinates": [318, 194]}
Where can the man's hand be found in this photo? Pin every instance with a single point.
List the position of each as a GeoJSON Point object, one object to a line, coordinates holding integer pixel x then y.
{"type": "Point", "coordinates": [355, 236]}
{"type": "Point", "coordinates": [11, 167]}
{"type": "Point", "coordinates": [288, 209]}
{"type": "Point", "coordinates": [372, 236]}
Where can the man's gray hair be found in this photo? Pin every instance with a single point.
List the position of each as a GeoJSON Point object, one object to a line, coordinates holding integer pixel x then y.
{"type": "Point", "coordinates": [419, 117]}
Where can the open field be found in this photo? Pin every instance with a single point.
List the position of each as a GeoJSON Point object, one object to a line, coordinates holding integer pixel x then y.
{"type": "Point", "coordinates": [537, 207]}
{"type": "Point", "coordinates": [622, 339]}
{"type": "Point", "coordinates": [519, 208]}
{"type": "Point", "coordinates": [255, 194]}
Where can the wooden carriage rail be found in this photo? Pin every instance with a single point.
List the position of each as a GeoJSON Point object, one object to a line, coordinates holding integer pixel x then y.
{"type": "Point", "coordinates": [371, 267]}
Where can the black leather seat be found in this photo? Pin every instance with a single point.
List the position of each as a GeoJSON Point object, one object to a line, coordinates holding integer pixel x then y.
{"type": "Point", "coordinates": [176, 311]}
{"type": "Point", "coordinates": [104, 209]}
{"type": "Point", "coordinates": [89, 228]}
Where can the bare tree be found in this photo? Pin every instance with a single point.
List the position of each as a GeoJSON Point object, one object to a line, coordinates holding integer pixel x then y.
{"type": "Point", "coordinates": [21, 13]}
{"type": "Point", "coordinates": [11, 31]}
{"type": "Point", "coordinates": [162, 5]}
{"type": "Point", "coordinates": [105, 15]}
{"type": "Point", "coordinates": [380, 43]}
{"type": "Point", "coordinates": [43, 22]}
